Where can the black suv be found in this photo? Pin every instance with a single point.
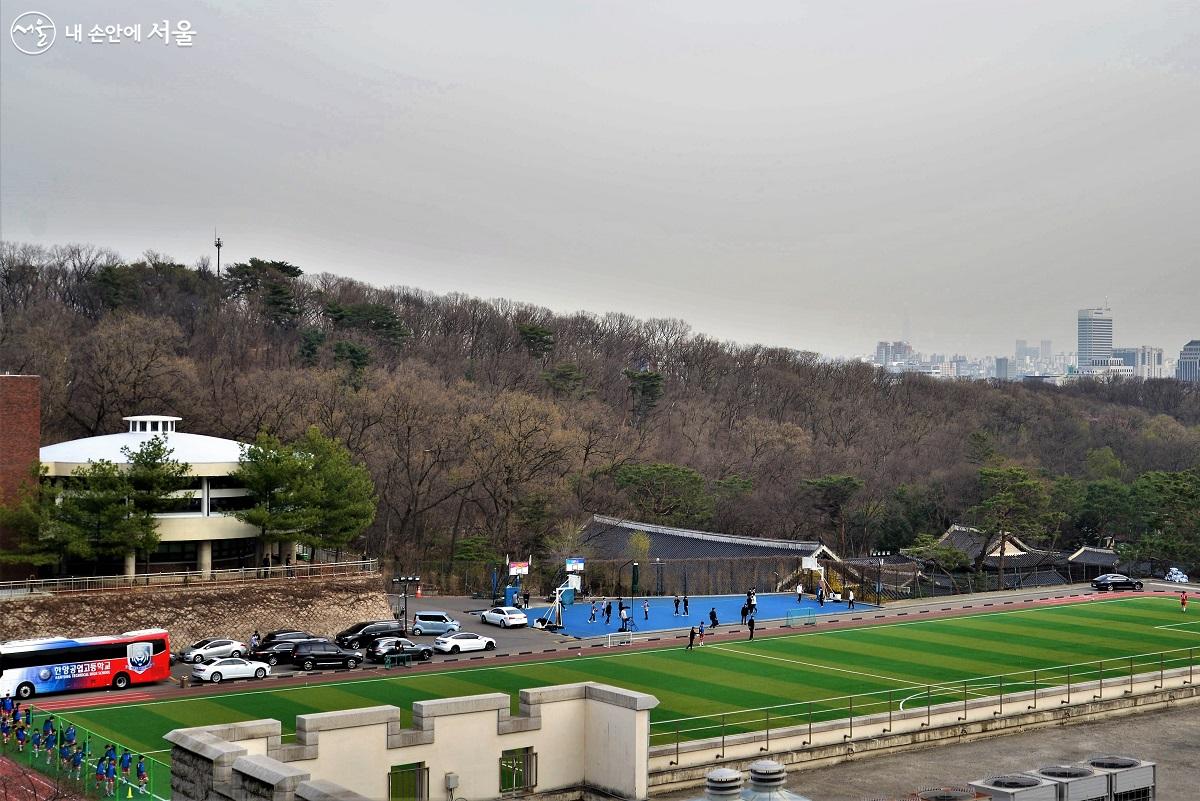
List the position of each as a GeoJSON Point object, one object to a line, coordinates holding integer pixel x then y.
{"type": "Point", "coordinates": [293, 635]}
{"type": "Point", "coordinates": [310, 655]}
{"type": "Point", "coordinates": [361, 634]}
{"type": "Point", "coordinates": [279, 650]}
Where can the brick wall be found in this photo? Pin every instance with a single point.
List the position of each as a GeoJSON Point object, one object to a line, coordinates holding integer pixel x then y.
{"type": "Point", "coordinates": [20, 438]}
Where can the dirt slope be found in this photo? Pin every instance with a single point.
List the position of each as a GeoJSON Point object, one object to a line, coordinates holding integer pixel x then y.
{"type": "Point", "coordinates": [323, 606]}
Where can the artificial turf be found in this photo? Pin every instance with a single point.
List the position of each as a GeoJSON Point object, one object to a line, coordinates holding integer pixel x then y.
{"type": "Point", "coordinates": [725, 677]}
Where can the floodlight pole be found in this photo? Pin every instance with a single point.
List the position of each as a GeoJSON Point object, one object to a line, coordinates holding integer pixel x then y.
{"type": "Point", "coordinates": [404, 581]}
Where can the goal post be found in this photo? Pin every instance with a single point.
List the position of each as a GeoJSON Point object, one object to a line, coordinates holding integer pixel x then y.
{"type": "Point", "coordinates": [799, 617]}
{"type": "Point", "coordinates": [619, 638]}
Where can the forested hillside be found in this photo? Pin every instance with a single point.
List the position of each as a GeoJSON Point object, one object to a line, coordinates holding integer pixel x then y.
{"type": "Point", "coordinates": [496, 426]}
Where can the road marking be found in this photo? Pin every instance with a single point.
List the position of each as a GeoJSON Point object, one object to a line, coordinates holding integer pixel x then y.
{"type": "Point", "coordinates": [577, 660]}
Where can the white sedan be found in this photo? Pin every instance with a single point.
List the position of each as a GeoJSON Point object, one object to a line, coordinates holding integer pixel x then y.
{"type": "Point", "coordinates": [218, 670]}
{"type": "Point", "coordinates": [462, 641]}
{"type": "Point", "coordinates": [504, 616]}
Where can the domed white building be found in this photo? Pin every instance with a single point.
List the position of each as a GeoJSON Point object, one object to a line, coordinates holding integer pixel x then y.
{"type": "Point", "coordinates": [203, 535]}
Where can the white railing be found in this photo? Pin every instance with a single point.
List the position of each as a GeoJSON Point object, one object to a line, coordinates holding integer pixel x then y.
{"type": "Point", "coordinates": [238, 575]}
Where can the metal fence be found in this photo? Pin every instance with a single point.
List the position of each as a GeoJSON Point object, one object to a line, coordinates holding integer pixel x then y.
{"type": "Point", "coordinates": [79, 775]}
{"type": "Point", "coordinates": [246, 575]}
{"type": "Point", "coordinates": [1059, 685]}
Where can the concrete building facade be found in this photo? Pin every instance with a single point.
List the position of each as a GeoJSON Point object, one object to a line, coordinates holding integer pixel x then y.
{"type": "Point", "coordinates": [1146, 361]}
{"type": "Point", "coordinates": [571, 741]}
{"type": "Point", "coordinates": [1095, 336]}
{"type": "Point", "coordinates": [1188, 366]}
{"type": "Point", "coordinates": [202, 533]}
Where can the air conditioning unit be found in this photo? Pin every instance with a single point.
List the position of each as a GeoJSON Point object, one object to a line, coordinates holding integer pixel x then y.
{"type": "Point", "coordinates": [1017, 787]}
{"type": "Point", "coordinates": [1129, 779]}
{"type": "Point", "coordinates": [946, 794]}
{"type": "Point", "coordinates": [1076, 782]}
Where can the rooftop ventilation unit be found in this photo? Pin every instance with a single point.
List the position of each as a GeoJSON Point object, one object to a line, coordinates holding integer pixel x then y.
{"type": "Point", "coordinates": [767, 779]}
{"type": "Point", "coordinates": [946, 794]}
{"type": "Point", "coordinates": [1129, 779]}
{"type": "Point", "coordinates": [1076, 782]}
{"type": "Point", "coordinates": [722, 784]}
{"type": "Point", "coordinates": [1017, 787]}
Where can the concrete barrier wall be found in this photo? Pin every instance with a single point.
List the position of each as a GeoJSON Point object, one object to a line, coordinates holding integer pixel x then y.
{"type": "Point", "coordinates": [673, 768]}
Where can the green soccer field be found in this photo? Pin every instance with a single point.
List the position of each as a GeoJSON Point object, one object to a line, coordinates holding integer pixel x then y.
{"type": "Point", "coordinates": [900, 658]}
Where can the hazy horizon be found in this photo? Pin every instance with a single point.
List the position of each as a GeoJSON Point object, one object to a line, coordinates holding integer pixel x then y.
{"type": "Point", "coordinates": [803, 175]}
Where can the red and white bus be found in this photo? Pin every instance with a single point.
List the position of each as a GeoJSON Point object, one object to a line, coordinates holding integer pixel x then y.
{"type": "Point", "coordinates": [60, 664]}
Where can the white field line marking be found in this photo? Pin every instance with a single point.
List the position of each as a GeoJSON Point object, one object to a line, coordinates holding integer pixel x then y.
{"type": "Point", "coordinates": [1025, 686]}
{"type": "Point", "coordinates": [817, 665]}
{"type": "Point", "coordinates": [577, 660]}
{"type": "Point", "coordinates": [1177, 625]}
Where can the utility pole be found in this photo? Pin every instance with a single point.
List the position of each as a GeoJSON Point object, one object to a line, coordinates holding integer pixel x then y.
{"type": "Point", "coordinates": [218, 244]}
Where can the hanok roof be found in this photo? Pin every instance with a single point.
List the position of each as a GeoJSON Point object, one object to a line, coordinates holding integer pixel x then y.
{"type": "Point", "coordinates": [608, 538]}
{"type": "Point", "coordinates": [971, 541]}
{"type": "Point", "coordinates": [1101, 557]}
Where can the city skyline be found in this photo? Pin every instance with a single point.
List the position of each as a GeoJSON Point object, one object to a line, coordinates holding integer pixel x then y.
{"type": "Point", "coordinates": [794, 174]}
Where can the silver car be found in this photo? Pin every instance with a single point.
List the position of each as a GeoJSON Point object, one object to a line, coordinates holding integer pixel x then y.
{"type": "Point", "coordinates": [212, 649]}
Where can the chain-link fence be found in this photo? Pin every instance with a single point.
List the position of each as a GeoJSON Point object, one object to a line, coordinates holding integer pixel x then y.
{"type": "Point", "coordinates": [73, 759]}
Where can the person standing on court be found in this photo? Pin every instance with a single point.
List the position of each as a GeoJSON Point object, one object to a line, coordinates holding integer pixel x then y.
{"type": "Point", "coordinates": [712, 617]}
{"type": "Point", "coordinates": [799, 593]}
{"type": "Point", "coordinates": [745, 611]}
{"type": "Point", "coordinates": [592, 616]}
{"type": "Point", "coordinates": [691, 639]}
{"type": "Point", "coordinates": [646, 608]}
{"type": "Point", "coordinates": [750, 623]}
{"type": "Point", "coordinates": [607, 612]}
{"type": "Point", "coordinates": [701, 633]}
{"type": "Point", "coordinates": [685, 605]}
{"type": "Point", "coordinates": [676, 604]}
{"type": "Point", "coordinates": [850, 598]}
{"type": "Point", "coordinates": [1183, 602]}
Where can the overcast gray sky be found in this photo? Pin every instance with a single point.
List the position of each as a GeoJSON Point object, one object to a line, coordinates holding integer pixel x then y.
{"type": "Point", "coordinates": [801, 174]}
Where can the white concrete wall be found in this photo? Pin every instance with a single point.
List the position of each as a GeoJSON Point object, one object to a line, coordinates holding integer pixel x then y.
{"type": "Point", "coordinates": [583, 734]}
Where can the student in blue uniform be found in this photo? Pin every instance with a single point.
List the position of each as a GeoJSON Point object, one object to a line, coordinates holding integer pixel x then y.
{"type": "Point", "coordinates": [142, 778]}
{"type": "Point", "coordinates": [22, 736]}
{"type": "Point", "coordinates": [69, 735]}
{"type": "Point", "coordinates": [50, 743]}
{"type": "Point", "coordinates": [48, 726]}
{"type": "Point", "coordinates": [5, 731]}
{"type": "Point", "coordinates": [126, 762]}
{"type": "Point", "coordinates": [77, 763]}
{"type": "Point", "coordinates": [64, 757]}
{"type": "Point", "coordinates": [110, 777]}
{"type": "Point", "coordinates": [37, 743]}
{"type": "Point", "coordinates": [101, 764]}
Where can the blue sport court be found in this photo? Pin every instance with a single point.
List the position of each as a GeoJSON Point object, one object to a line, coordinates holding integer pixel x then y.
{"type": "Point", "coordinates": [772, 606]}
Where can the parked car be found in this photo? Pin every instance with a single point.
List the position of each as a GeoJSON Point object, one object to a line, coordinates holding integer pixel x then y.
{"type": "Point", "coordinates": [310, 655]}
{"type": "Point", "coordinates": [1115, 581]}
{"type": "Point", "coordinates": [434, 623]}
{"type": "Point", "coordinates": [389, 646]}
{"type": "Point", "coordinates": [463, 641]}
{"type": "Point", "coordinates": [1176, 576]}
{"type": "Point", "coordinates": [279, 651]}
{"type": "Point", "coordinates": [360, 634]}
{"type": "Point", "coordinates": [218, 670]}
{"type": "Point", "coordinates": [213, 648]}
{"type": "Point", "coordinates": [289, 634]}
{"type": "Point", "coordinates": [504, 616]}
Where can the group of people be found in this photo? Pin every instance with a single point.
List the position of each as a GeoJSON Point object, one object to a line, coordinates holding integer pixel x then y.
{"type": "Point", "coordinates": [604, 607]}
{"type": "Point", "coordinates": [49, 742]}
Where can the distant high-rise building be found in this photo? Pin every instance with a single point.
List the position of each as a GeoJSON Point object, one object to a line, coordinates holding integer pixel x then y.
{"type": "Point", "coordinates": [890, 352]}
{"type": "Point", "coordinates": [1095, 336]}
{"type": "Point", "coordinates": [1045, 352]}
{"type": "Point", "coordinates": [1147, 362]}
{"type": "Point", "coordinates": [1021, 349]}
{"type": "Point", "coordinates": [1002, 368]}
{"type": "Point", "coordinates": [1188, 366]}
